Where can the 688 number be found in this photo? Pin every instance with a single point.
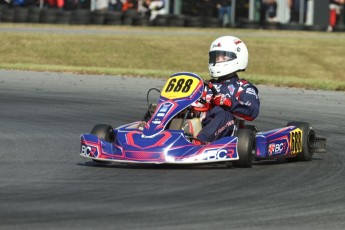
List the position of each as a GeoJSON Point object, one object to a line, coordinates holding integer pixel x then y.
{"type": "Point", "coordinates": [296, 142]}
{"type": "Point", "coordinates": [180, 85]}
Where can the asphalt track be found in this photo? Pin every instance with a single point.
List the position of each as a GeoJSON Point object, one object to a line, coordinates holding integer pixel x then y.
{"type": "Point", "coordinates": [45, 184]}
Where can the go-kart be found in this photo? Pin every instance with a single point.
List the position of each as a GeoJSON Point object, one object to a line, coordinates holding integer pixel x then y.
{"type": "Point", "coordinates": [168, 134]}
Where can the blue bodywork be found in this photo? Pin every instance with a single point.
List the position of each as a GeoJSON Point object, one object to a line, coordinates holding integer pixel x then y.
{"type": "Point", "coordinates": [155, 144]}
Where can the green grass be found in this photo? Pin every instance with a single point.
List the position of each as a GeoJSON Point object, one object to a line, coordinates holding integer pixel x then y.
{"type": "Point", "coordinates": [283, 58]}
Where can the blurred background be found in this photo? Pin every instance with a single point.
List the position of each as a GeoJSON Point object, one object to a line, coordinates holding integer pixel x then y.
{"type": "Point", "coordinates": [316, 15]}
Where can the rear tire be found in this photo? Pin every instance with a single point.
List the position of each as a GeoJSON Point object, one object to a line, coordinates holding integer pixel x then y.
{"type": "Point", "coordinates": [308, 141]}
{"type": "Point", "coordinates": [245, 148]}
{"type": "Point", "coordinates": [104, 132]}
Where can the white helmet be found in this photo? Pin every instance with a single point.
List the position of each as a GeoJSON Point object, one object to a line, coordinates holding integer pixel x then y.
{"type": "Point", "coordinates": [227, 55]}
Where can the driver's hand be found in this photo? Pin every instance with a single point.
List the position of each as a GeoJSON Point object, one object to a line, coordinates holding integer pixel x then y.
{"type": "Point", "coordinates": [221, 100]}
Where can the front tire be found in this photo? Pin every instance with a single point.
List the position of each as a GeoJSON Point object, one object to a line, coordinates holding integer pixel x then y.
{"type": "Point", "coordinates": [104, 132]}
{"type": "Point", "coordinates": [308, 141]}
{"type": "Point", "coordinates": [245, 145]}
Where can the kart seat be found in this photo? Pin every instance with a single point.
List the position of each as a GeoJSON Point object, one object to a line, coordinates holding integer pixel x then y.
{"type": "Point", "coordinates": [191, 126]}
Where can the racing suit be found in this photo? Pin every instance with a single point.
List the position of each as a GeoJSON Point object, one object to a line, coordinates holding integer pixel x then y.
{"type": "Point", "coordinates": [220, 120]}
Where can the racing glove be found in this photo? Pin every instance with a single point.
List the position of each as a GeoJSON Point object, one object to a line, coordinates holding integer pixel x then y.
{"type": "Point", "coordinates": [221, 100]}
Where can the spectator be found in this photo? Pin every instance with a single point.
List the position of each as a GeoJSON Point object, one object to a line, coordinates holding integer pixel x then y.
{"type": "Point", "coordinates": [145, 8]}
{"type": "Point", "coordinates": [224, 11]}
{"type": "Point", "coordinates": [295, 6]}
{"type": "Point", "coordinates": [154, 8]}
{"type": "Point", "coordinates": [101, 5]}
{"type": "Point", "coordinates": [268, 11]}
{"type": "Point", "coordinates": [55, 3]}
{"type": "Point", "coordinates": [18, 3]}
{"type": "Point", "coordinates": [115, 5]}
{"type": "Point", "coordinates": [335, 7]}
{"type": "Point", "coordinates": [129, 4]}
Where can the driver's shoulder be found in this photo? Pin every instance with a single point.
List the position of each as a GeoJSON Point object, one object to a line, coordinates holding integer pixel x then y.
{"type": "Point", "coordinates": [245, 84]}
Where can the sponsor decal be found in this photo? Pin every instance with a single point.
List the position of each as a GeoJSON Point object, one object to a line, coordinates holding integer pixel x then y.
{"type": "Point", "coordinates": [237, 42]}
{"type": "Point", "coordinates": [276, 148]}
{"type": "Point", "coordinates": [217, 45]}
{"type": "Point", "coordinates": [164, 108]}
{"type": "Point", "coordinates": [224, 127]}
{"type": "Point", "coordinates": [238, 49]}
{"type": "Point", "coordinates": [231, 89]}
{"type": "Point", "coordinates": [217, 154]}
{"type": "Point", "coordinates": [87, 150]}
{"type": "Point", "coordinates": [271, 148]}
{"type": "Point", "coordinates": [160, 114]}
{"type": "Point", "coordinates": [156, 122]}
{"type": "Point", "coordinates": [251, 91]}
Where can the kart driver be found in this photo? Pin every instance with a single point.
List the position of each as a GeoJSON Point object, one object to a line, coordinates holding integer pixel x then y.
{"type": "Point", "coordinates": [236, 99]}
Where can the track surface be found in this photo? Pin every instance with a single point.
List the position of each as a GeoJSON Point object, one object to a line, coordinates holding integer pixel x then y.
{"type": "Point", "coordinates": [45, 184]}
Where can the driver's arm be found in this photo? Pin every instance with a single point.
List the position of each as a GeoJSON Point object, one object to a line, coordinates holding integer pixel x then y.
{"type": "Point", "coordinates": [246, 104]}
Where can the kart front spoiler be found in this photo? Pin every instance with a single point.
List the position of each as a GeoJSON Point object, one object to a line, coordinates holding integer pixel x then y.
{"type": "Point", "coordinates": [170, 147]}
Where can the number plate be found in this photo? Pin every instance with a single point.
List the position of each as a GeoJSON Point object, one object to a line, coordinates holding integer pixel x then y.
{"type": "Point", "coordinates": [296, 141]}
{"type": "Point", "coordinates": [180, 86]}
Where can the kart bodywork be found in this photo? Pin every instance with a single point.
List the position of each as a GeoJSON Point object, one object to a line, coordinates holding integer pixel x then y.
{"type": "Point", "coordinates": [158, 141]}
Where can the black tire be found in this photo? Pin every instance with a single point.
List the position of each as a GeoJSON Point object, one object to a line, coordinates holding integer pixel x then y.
{"type": "Point", "coordinates": [292, 26]}
{"type": "Point", "coordinates": [81, 17]}
{"type": "Point", "coordinates": [246, 140]}
{"type": "Point", "coordinates": [308, 141]}
{"type": "Point", "coordinates": [195, 22]}
{"type": "Point", "coordinates": [34, 14]}
{"type": "Point", "coordinates": [161, 20]}
{"type": "Point", "coordinates": [63, 17]}
{"type": "Point", "coordinates": [142, 21]}
{"type": "Point", "coordinates": [271, 26]}
{"type": "Point", "coordinates": [48, 16]}
{"type": "Point", "coordinates": [104, 132]}
{"type": "Point", "coordinates": [212, 23]}
{"type": "Point", "coordinates": [128, 21]}
{"type": "Point", "coordinates": [113, 18]}
{"type": "Point", "coordinates": [34, 10]}
{"type": "Point", "coordinates": [33, 18]}
{"type": "Point", "coordinates": [20, 14]}
{"type": "Point", "coordinates": [130, 13]}
{"type": "Point", "coordinates": [177, 20]}
{"type": "Point", "coordinates": [97, 18]}
{"type": "Point", "coordinates": [250, 25]}
{"type": "Point", "coordinates": [7, 15]}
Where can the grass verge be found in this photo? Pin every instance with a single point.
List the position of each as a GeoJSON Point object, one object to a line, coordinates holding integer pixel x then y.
{"type": "Point", "coordinates": [300, 59]}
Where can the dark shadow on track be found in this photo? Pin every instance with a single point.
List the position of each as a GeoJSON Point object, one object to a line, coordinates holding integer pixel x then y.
{"type": "Point", "coordinates": [157, 166]}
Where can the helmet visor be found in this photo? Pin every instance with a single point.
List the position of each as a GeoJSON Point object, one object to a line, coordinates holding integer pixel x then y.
{"type": "Point", "coordinates": [218, 56]}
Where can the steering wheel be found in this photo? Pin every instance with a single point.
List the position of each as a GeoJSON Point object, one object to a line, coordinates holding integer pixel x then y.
{"type": "Point", "coordinates": [206, 104]}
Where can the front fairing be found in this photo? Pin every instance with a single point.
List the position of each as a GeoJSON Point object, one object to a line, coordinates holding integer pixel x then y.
{"type": "Point", "coordinates": [169, 146]}
{"type": "Point", "coordinates": [180, 91]}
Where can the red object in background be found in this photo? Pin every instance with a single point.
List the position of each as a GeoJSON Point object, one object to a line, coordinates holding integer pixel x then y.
{"type": "Point", "coordinates": [332, 17]}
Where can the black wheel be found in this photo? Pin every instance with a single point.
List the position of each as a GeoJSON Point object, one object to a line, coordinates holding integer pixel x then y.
{"type": "Point", "coordinates": [104, 132]}
{"type": "Point", "coordinates": [308, 141]}
{"type": "Point", "coordinates": [245, 145]}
